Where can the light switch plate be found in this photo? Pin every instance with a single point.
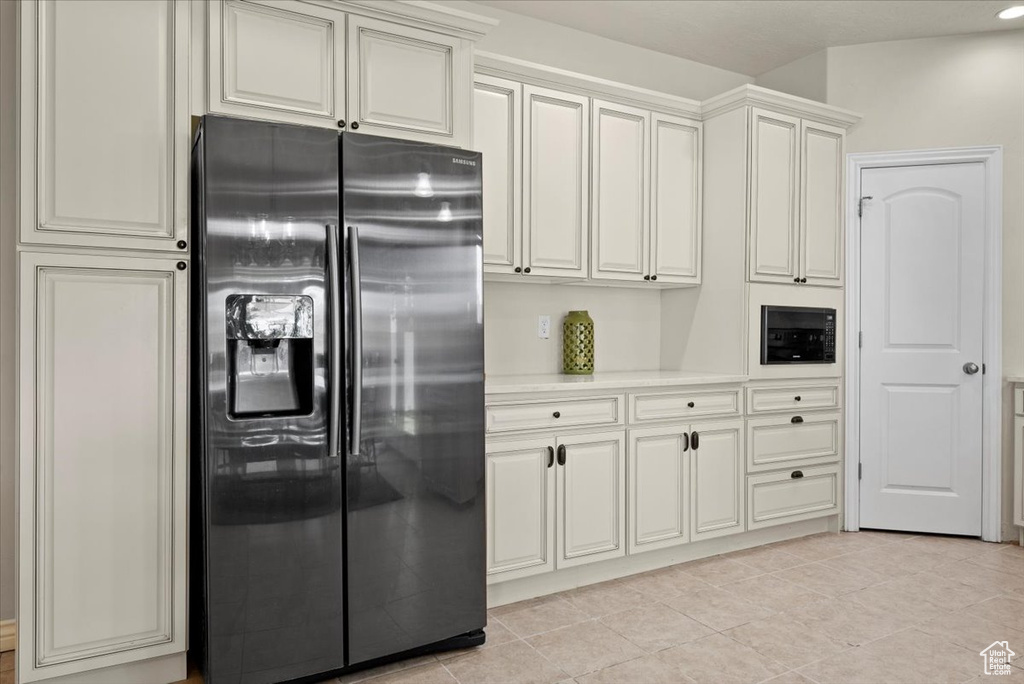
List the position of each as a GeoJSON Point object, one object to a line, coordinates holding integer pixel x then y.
{"type": "Point", "coordinates": [544, 327]}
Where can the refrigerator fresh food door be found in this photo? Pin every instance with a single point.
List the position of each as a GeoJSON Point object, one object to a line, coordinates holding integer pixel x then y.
{"type": "Point", "coordinates": [415, 477]}
{"type": "Point", "coordinates": [267, 489]}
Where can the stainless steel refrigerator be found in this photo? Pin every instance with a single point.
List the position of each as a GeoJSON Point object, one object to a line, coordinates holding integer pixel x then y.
{"type": "Point", "coordinates": [337, 387]}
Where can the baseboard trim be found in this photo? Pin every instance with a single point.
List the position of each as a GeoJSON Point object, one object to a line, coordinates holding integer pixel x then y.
{"type": "Point", "coordinates": [8, 635]}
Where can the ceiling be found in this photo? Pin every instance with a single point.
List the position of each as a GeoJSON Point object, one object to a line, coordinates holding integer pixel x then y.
{"type": "Point", "coordinates": [755, 36]}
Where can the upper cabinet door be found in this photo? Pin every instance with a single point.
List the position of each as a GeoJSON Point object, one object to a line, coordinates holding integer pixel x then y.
{"type": "Point", "coordinates": [675, 199]}
{"type": "Point", "coordinates": [282, 61]}
{"type": "Point", "coordinates": [556, 166]}
{"type": "Point", "coordinates": [409, 83]}
{"type": "Point", "coordinates": [620, 179]}
{"type": "Point", "coordinates": [105, 127]}
{"type": "Point", "coordinates": [103, 461]}
{"type": "Point", "coordinates": [821, 208]}
{"type": "Point", "coordinates": [520, 508]}
{"type": "Point", "coordinates": [497, 133]}
{"type": "Point", "coordinates": [716, 479]}
{"type": "Point", "coordinates": [591, 499]}
{"type": "Point", "coordinates": [774, 185]}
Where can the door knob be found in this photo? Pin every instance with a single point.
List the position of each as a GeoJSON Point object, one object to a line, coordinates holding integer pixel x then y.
{"type": "Point", "coordinates": [971, 368]}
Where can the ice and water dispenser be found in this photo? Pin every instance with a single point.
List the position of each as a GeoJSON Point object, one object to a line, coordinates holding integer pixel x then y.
{"type": "Point", "coordinates": [270, 355]}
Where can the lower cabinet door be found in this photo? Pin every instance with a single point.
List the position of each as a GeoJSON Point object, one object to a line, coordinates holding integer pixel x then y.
{"type": "Point", "coordinates": [103, 451]}
{"type": "Point", "coordinates": [1018, 467]}
{"type": "Point", "coordinates": [716, 479]}
{"type": "Point", "coordinates": [520, 508]}
{"type": "Point", "coordinates": [591, 497]}
{"type": "Point", "coordinates": [658, 488]}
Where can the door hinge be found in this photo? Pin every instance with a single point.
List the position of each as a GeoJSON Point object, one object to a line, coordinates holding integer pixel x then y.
{"type": "Point", "coordinates": [860, 339]}
{"type": "Point", "coordinates": [860, 205]}
{"type": "Point", "coordinates": [860, 471]}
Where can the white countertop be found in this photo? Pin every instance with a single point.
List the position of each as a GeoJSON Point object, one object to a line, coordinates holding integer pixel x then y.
{"type": "Point", "coordinates": [556, 382]}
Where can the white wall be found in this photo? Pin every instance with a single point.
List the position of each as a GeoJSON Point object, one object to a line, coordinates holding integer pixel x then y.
{"type": "Point", "coordinates": [558, 46]}
{"type": "Point", "coordinates": [805, 77]}
{"type": "Point", "coordinates": [626, 327]}
{"type": "Point", "coordinates": [950, 92]}
{"type": "Point", "coordinates": [7, 311]}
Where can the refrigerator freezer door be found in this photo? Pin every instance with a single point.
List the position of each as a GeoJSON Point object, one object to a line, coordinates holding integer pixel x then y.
{"type": "Point", "coordinates": [268, 494]}
{"type": "Point", "coordinates": [415, 485]}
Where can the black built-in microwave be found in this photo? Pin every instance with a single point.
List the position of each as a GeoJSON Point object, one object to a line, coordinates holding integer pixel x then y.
{"type": "Point", "coordinates": [797, 334]}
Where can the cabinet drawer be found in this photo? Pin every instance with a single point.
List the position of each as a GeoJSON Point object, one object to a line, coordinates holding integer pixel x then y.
{"type": "Point", "coordinates": [555, 413]}
{"type": "Point", "coordinates": [646, 408]}
{"type": "Point", "coordinates": [793, 398]}
{"type": "Point", "coordinates": [792, 440]}
{"type": "Point", "coordinates": [791, 495]}
{"type": "Point", "coordinates": [1018, 401]}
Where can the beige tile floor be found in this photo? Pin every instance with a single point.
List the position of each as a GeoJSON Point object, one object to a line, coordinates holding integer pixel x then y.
{"type": "Point", "coordinates": [864, 607]}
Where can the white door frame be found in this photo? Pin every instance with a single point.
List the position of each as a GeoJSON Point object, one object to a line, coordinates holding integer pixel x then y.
{"type": "Point", "coordinates": [992, 380]}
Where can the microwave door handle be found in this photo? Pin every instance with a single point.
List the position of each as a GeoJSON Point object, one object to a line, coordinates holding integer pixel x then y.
{"type": "Point", "coordinates": [357, 339]}
{"type": "Point", "coordinates": [334, 313]}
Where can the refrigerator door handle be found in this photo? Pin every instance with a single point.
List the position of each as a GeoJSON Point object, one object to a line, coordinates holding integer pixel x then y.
{"type": "Point", "coordinates": [336, 379]}
{"type": "Point", "coordinates": [357, 338]}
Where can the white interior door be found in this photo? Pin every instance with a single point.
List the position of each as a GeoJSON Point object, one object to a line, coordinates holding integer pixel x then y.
{"type": "Point", "coordinates": [922, 295]}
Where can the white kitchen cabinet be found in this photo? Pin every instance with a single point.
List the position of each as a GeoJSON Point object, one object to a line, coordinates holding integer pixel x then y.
{"type": "Point", "coordinates": [497, 133]}
{"type": "Point", "coordinates": [591, 515]}
{"type": "Point", "coordinates": [821, 203]}
{"type": "Point", "coordinates": [356, 70]}
{"type": "Point", "coordinates": [556, 168]}
{"type": "Point", "coordinates": [796, 202]}
{"type": "Point", "coordinates": [792, 495]}
{"type": "Point", "coordinates": [716, 479]}
{"type": "Point", "coordinates": [104, 123]}
{"type": "Point", "coordinates": [103, 457]}
{"type": "Point", "coordinates": [676, 224]}
{"type": "Point", "coordinates": [1018, 456]}
{"type": "Point", "coordinates": [659, 488]}
{"type": "Point", "coordinates": [520, 507]}
{"type": "Point", "coordinates": [774, 182]}
{"type": "Point", "coordinates": [620, 192]}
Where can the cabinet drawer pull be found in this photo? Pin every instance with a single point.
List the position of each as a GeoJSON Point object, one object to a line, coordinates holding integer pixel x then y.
{"type": "Point", "coordinates": [557, 414]}
{"type": "Point", "coordinates": [694, 440]}
{"type": "Point", "coordinates": [690, 404]}
{"type": "Point", "coordinates": [551, 456]}
{"type": "Point", "coordinates": [796, 419]}
{"type": "Point", "coordinates": [561, 454]}
{"type": "Point", "coordinates": [686, 441]}
{"type": "Point", "coordinates": [797, 474]}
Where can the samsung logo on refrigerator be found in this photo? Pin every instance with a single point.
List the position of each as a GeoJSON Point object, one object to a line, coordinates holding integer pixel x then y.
{"type": "Point", "coordinates": [467, 162]}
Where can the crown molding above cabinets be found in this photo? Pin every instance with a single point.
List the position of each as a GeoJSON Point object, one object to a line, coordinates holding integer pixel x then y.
{"type": "Point", "coordinates": [781, 103]}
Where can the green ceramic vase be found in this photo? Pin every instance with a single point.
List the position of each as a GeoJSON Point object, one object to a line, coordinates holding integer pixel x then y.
{"type": "Point", "coordinates": [578, 344]}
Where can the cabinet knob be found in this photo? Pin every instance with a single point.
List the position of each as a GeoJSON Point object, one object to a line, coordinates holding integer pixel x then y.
{"type": "Point", "coordinates": [341, 123]}
{"type": "Point", "coordinates": [182, 244]}
{"type": "Point", "coordinates": [647, 277]}
{"type": "Point", "coordinates": [797, 474]}
{"type": "Point", "coordinates": [654, 277]}
{"type": "Point", "coordinates": [796, 398]}
{"type": "Point", "coordinates": [796, 280]}
{"type": "Point", "coordinates": [355, 125]}
{"type": "Point", "coordinates": [518, 269]}
{"type": "Point", "coordinates": [803, 280]}
{"type": "Point", "coordinates": [182, 265]}
{"type": "Point", "coordinates": [690, 404]}
{"type": "Point", "coordinates": [557, 414]}
{"type": "Point", "coordinates": [796, 420]}
{"type": "Point", "coordinates": [526, 270]}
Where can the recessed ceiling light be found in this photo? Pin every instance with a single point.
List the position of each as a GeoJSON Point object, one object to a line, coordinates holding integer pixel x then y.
{"type": "Point", "coordinates": [1015, 12]}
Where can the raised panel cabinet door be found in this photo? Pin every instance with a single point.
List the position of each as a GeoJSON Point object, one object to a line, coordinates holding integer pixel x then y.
{"type": "Point", "coordinates": [556, 168]}
{"type": "Point", "coordinates": [658, 488]}
{"type": "Point", "coordinates": [497, 133]}
{"type": "Point", "coordinates": [520, 508]}
{"type": "Point", "coordinates": [821, 204]}
{"type": "Point", "coordinates": [405, 82]}
{"type": "Point", "coordinates": [105, 127]}
{"type": "Point", "coordinates": [103, 456]}
{"type": "Point", "coordinates": [619, 192]}
{"type": "Point", "coordinates": [676, 224]}
{"type": "Point", "coordinates": [281, 61]}
{"type": "Point", "coordinates": [591, 498]}
{"type": "Point", "coordinates": [774, 186]}
{"type": "Point", "coordinates": [716, 479]}
{"type": "Point", "coordinates": [1018, 470]}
